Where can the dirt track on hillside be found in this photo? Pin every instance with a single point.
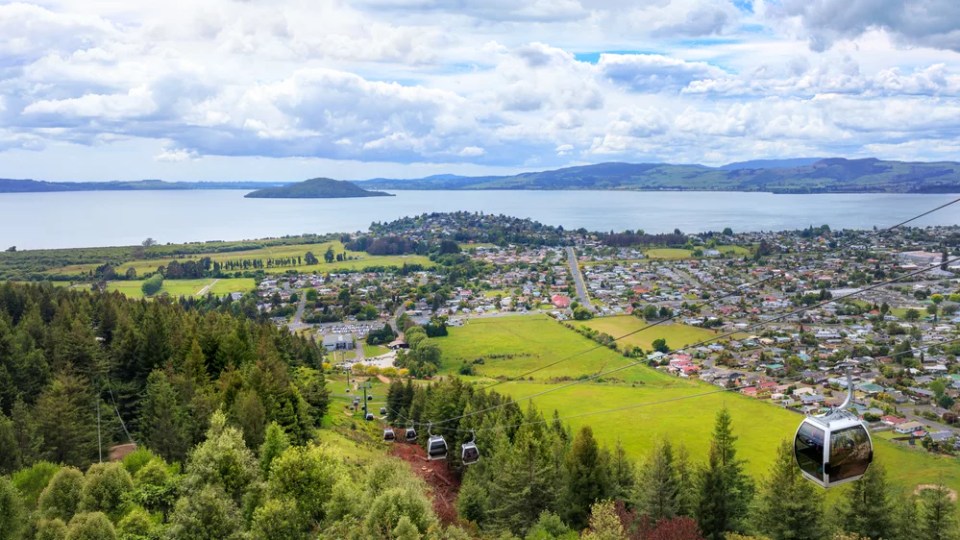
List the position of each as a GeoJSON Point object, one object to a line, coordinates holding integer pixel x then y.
{"type": "Point", "coordinates": [444, 485]}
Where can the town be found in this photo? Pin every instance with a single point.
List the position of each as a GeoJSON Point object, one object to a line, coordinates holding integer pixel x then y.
{"type": "Point", "coordinates": [776, 316]}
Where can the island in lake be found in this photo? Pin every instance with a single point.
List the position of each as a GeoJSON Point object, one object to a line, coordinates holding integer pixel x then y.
{"type": "Point", "coordinates": [316, 188]}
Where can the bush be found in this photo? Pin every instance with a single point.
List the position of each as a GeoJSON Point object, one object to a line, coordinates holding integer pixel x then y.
{"type": "Point", "coordinates": [31, 481]}
{"type": "Point", "coordinates": [152, 285]}
{"type": "Point", "coordinates": [91, 526]}
{"type": "Point", "coordinates": [59, 499]}
{"type": "Point", "coordinates": [105, 488]}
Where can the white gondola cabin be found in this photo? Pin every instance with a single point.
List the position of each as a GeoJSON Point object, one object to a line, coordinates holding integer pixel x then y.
{"type": "Point", "coordinates": [835, 448]}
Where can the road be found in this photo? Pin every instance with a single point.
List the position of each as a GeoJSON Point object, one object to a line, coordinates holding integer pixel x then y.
{"type": "Point", "coordinates": [578, 279]}
{"type": "Point", "coordinates": [296, 323]}
{"type": "Point", "coordinates": [396, 315]}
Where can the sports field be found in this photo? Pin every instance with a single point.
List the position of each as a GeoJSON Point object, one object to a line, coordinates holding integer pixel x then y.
{"type": "Point", "coordinates": [658, 406]}
{"type": "Point", "coordinates": [677, 335]}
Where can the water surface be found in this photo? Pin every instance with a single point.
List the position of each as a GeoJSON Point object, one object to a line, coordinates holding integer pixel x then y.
{"type": "Point", "coordinates": [109, 218]}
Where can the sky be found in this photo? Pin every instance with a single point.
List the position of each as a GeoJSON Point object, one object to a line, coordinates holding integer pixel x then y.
{"type": "Point", "coordinates": [292, 89]}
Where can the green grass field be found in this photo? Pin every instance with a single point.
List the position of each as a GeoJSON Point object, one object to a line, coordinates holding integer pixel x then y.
{"type": "Point", "coordinates": [374, 350]}
{"type": "Point", "coordinates": [185, 287]}
{"type": "Point", "coordinates": [677, 335]}
{"type": "Point", "coordinates": [760, 426]}
{"type": "Point", "coordinates": [359, 259]}
{"type": "Point", "coordinates": [668, 253]}
{"type": "Point", "coordinates": [670, 407]}
{"type": "Point", "coordinates": [737, 251]}
{"type": "Point", "coordinates": [510, 346]}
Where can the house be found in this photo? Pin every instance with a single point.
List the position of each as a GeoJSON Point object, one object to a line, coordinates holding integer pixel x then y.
{"type": "Point", "coordinates": [908, 427]}
{"type": "Point", "coordinates": [892, 420]}
{"type": "Point", "coordinates": [560, 301]}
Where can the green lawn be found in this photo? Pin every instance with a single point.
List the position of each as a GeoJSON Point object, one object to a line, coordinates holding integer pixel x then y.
{"type": "Point", "coordinates": [510, 346]}
{"type": "Point", "coordinates": [359, 259]}
{"type": "Point", "coordinates": [374, 350]}
{"type": "Point", "coordinates": [185, 287]}
{"type": "Point", "coordinates": [677, 335]}
{"type": "Point", "coordinates": [668, 253]}
{"type": "Point", "coordinates": [738, 251]}
{"type": "Point", "coordinates": [760, 426]}
{"type": "Point", "coordinates": [688, 418]}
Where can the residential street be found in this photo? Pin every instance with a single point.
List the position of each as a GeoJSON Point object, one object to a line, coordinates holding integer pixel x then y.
{"type": "Point", "coordinates": [578, 279]}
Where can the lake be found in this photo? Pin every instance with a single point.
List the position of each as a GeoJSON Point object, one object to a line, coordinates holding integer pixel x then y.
{"type": "Point", "coordinates": [110, 218]}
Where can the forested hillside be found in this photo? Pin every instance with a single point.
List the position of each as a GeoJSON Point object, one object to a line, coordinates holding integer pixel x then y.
{"type": "Point", "coordinates": [238, 439]}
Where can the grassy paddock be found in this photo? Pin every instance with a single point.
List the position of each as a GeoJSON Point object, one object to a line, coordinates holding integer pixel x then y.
{"type": "Point", "coordinates": [513, 345]}
{"type": "Point", "coordinates": [359, 260]}
{"type": "Point", "coordinates": [677, 335]}
{"type": "Point", "coordinates": [185, 287]}
{"type": "Point", "coordinates": [670, 407]}
{"type": "Point", "coordinates": [668, 253]}
{"type": "Point", "coordinates": [759, 426]}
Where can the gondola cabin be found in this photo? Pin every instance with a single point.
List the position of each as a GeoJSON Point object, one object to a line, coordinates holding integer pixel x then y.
{"type": "Point", "coordinates": [369, 416]}
{"type": "Point", "coordinates": [469, 453]}
{"type": "Point", "coordinates": [389, 435]}
{"type": "Point", "coordinates": [383, 410]}
{"type": "Point", "coordinates": [411, 434]}
{"type": "Point", "coordinates": [833, 449]}
{"type": "Point", "coordinates": [436, 448]}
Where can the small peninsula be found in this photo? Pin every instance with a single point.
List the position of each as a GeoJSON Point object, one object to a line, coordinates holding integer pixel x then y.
{"type": "Point", "coordinates": [316, 188]}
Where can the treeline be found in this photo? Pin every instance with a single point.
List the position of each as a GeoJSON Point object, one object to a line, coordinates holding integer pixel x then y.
{"type": "Point", "coordinates": [224, 490]}
{"type": "Point", "coordinates": [161, 366]}
{"type": "Point", "coordinates": [630, 238]}
{"type": "Point", "coordinates": [538, 480]}
{"type": "Point", "coordinates": [386, 245]}
{"type": "Point", "coordinates": [35, 264]}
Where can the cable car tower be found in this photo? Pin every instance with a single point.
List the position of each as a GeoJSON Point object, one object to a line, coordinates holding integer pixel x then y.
{"type": "Point", "coordinates": [834, 448]}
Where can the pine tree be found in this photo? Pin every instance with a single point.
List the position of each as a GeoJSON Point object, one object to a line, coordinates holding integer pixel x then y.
{"type": "Point", "coordinates": [604, 523]}
{"type": "Point", "coordinates": [686, 484]}
{"type": "Point", "coordinates": [588, 480]}
{"type": "Point", "coordinates": [867, 509]}
{"type": "Point", "coordinates": [937, 520]}
{"type": "Point", "coordinates": [724, 490]}
{"type": "Point", "coordinates": [623, 474]}
{"type": "Point", "coordinates": [659, 490]}
{"type": "Point", "coordinates": [66, 416]}
{"type": "Point", "coordinates": [789, 507]}
{"type": "Point", "coordinates": [163, 421]}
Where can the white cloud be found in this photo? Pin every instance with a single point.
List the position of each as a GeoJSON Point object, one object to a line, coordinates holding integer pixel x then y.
{"type": "Point", "coordinates": [529, 83]}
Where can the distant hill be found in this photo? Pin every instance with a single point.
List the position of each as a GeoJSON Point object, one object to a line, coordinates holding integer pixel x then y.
{"type": "Point", "coordinates": [805, 175]}
{"type": "Point", "coordinates": [770, 163]}
{"type": "Point", "coordinates": [316, 188]}
{"type": "Point", "coordinates": [39, 186]}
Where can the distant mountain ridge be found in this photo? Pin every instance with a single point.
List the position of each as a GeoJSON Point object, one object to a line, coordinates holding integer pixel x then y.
{"type": "Point", "coordinates": [40, 186]}
{"type": "Point", "coordinates": [801, 175]}
{"type": "Point", "coordinates": [315, 188]}
{"type": "Point", "coordinates": [793, 175]}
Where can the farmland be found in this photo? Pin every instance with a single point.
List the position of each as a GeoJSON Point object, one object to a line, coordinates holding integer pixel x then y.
{"type": "Point", "coordinates": [665, 407]}
{"type": "Point", "coordinates": [355, 260]}
{"type": "Point", "coordinates": [677, 335]}
{"type": "Point", "coordinates": [185, 287]}
{"type": "Point", "coordinates": [510, 346]}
